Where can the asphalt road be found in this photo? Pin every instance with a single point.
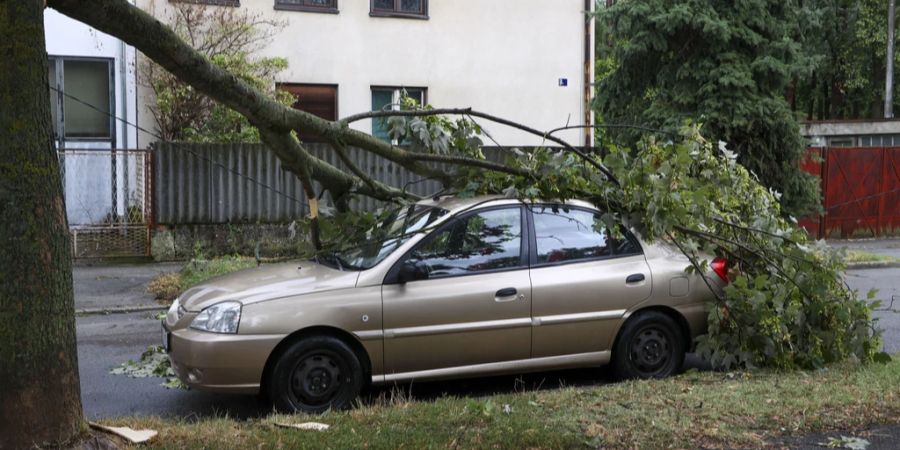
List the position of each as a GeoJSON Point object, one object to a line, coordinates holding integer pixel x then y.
{"type": "Point", "coordinates": [885, 437]}
{"type": "Point", "coordinates": [116, 286]}
{"type": "Point", "coordinates": [887, 282]}
{"type": "Point", "coordinates": [104, 341]}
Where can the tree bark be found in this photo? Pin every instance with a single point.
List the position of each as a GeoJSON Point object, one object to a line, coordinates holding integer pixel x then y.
{"type": "Point", "coordinates": [40, 398]}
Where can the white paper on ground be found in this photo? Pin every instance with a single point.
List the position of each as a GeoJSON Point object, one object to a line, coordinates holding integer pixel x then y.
{"type": "Point", "coordinates": [132, 435]}
{"type": "Point", "coordinates": [312, 426]}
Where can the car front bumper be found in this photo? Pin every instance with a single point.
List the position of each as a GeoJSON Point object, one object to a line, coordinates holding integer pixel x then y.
{"type": "Point", "coordinates": [217, 362]}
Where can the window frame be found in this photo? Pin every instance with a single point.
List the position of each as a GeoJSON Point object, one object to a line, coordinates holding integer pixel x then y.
{"type": "Point", "coordinates": [397, 13]}
{"type": "Point", "coordinates": [285, 6]}
{"type": "Point", "coordinates": [395, 99]}
{"type": "Point", "coordinates": [532, 232]}
{"type": "Point", "coordinates": [55, 98]}
{"type": "Point", "coordinates": [60, 83]}
{"type": "Point", "coordinates": [392, 276]}
{"type": "Point", "coordinates": [397, 90]}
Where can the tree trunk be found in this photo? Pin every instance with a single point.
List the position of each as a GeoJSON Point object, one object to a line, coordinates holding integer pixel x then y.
{"type": "Point", "coordinates": [40, 398]}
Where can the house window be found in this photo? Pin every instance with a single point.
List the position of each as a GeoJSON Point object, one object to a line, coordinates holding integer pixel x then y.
{"type": "Point", "coordinates": [388, 98]}
{"type": "Point", "coordinates": [399, 8]}
{"type": "Point", "coordinates": [82, 103]}
{"type": "Point", "coordinates": [841, 141]}
{"type": "Point", "coordinates": [318, 99]}
{"type": "Point", "coordinates": [322, 6]}
{"type": "Point", "coordinates": [213, 2]}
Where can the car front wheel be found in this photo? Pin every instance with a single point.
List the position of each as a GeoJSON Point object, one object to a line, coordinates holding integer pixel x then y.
{"type": "Point", "coordinates": [314, 375]}
{"type": "Point", "coordinates": [650, 345]}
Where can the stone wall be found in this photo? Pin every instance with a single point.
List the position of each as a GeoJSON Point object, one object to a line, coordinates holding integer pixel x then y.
{"type": "Point", "coordinates": [183, 242]}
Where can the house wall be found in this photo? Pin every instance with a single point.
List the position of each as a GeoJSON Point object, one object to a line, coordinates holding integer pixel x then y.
{"type": "Point", "coordinates": [68, 37]}
{"type": "Point", "coordinates": [98, 185]}
{"type": "Point", "coordinates": [503, 57]}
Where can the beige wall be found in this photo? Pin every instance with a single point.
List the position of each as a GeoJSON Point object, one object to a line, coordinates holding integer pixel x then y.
{"type": "Point", "coordinates": [503, 57]}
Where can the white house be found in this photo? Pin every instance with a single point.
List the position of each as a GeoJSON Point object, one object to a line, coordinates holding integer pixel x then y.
{"type": "Point", "coordinates": [93, 98]}
{"type": "Point", "coordinates": [529, 61]}
{"type": "Point", "coordinates": [852, 133]}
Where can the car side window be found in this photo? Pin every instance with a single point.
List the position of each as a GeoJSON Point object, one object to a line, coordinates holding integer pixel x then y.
{"type": "Point", "coordinates": [488, 240]}
{"type": "Point", "coordinates": [627, 245]}
{"type": "Point", "coordinates": [569, 234]}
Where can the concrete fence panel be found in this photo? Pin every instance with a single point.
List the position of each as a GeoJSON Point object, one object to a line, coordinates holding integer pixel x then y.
{"type": "Point", "coordinates": [245, 183]}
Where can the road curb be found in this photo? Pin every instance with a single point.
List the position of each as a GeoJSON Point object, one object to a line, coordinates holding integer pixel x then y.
{"type": "Point", "coordinates": [119, 310]}
{"type": "Point", "coordinates": [872, 265]}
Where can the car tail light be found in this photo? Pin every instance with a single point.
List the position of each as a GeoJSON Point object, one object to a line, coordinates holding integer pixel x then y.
{"type": "Point", "coordinates": [720, 267]}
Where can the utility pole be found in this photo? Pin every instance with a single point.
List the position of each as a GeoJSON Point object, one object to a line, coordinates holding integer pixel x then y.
{"type": "Point", "coordinates": [889, 78]}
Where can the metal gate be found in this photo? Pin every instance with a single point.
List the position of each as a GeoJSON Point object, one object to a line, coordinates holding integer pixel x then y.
{"type": "Point", "coordinates": [861, 191]}
{"type": "Point", "coordinates": [108, 201]}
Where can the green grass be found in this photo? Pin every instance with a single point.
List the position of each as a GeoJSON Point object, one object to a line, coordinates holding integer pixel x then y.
{"type": "Point", "coordinates": [198, 271]}
{"type": "Point", "coordinates": [167, 286]}
{"type": "Point", "coordinates": [859, 256]}
{"type": "Point", "coordinates": [708, 409]}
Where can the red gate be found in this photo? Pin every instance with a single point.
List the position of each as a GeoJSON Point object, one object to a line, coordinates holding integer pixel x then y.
{"type": "Point", "coordinates": [861, 191]}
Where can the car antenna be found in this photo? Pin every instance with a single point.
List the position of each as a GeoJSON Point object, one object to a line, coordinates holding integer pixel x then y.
{"type": "Point", "coordinates": [441, 193]}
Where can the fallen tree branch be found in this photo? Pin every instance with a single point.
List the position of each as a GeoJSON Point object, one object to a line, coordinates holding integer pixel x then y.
{"type": "Point", "coordinates": [373, 185]}
{"type": "Point", "coordinates": [470, 112]}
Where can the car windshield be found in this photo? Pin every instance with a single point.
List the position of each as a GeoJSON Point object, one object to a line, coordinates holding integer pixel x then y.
{"type": "Point", "coordinates": [380, 241]}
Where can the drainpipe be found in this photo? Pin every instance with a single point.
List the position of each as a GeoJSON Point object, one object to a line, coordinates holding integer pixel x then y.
{"type": "Point", "coordinates": [123, 105]}
{"type": "Point", "coordinates": [588, 65]}
{"type": "Point", "coordinates": [889, 76]}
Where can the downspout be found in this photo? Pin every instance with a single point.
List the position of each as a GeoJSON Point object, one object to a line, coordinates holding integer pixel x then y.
{"type": "Point", "coordinates": [123, 105]}
{"type": "Point", "coordinates": [588, 81]}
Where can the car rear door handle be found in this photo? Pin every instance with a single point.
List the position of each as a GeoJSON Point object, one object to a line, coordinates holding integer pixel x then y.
{"type": "Point", "coordinates": [508, 292]}
{"type": "Point", "coordinates": [634, 278]}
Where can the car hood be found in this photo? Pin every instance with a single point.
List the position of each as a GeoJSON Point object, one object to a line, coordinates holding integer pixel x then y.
{"type": "Point", "coordinates": [267, 282]}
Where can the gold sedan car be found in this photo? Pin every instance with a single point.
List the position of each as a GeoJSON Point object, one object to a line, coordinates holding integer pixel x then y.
{"type": "Point", "coordinates": [452, 288]}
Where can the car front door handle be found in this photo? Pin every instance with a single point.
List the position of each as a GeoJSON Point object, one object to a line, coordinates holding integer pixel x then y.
{"type": "Point", "coordinates": [634, 278]}
{"type": "Point", "coordinates": [507, 292]}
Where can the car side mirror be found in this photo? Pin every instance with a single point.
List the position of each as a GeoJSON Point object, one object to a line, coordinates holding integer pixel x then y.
{"type": "Point", "coordinates": [412, 270]}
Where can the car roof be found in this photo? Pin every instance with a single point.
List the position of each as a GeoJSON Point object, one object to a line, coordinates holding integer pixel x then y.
{"type": "Point", "coordinates": [453, 203]}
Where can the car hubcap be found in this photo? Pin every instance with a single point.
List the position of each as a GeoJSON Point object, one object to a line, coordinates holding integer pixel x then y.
{"type": "Point", "coordinates": [650, 351]}
{"type": "Point", "coordinates": [316, 380]}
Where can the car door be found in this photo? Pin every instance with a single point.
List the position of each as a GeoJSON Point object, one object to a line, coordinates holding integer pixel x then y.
{"type": "Point", "coordinates": [583, 280]}
{"type": "Point", "coordinates": [475, 305]}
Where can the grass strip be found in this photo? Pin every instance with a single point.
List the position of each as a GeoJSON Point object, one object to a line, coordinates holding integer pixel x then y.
{"type": "Point", "coordinates": [696, 409]}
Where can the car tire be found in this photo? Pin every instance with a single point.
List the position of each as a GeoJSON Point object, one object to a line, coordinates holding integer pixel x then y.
{"type": "Point", "coordinates": [650, 345]}
{"type": "Point", "coordinates": [314, 375]}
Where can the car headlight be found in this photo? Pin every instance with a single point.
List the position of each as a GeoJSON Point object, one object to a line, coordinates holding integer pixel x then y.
{"type": "Point", "coordinates": [219, 318]}
{"type": "Point", "coordinates": [176, 309]}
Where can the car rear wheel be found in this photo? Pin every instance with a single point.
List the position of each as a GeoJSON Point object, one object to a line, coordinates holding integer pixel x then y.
{"type": "Point", "coordinates": [314, 375]}
{"type": "Point", "coordinates": [650, 345]}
